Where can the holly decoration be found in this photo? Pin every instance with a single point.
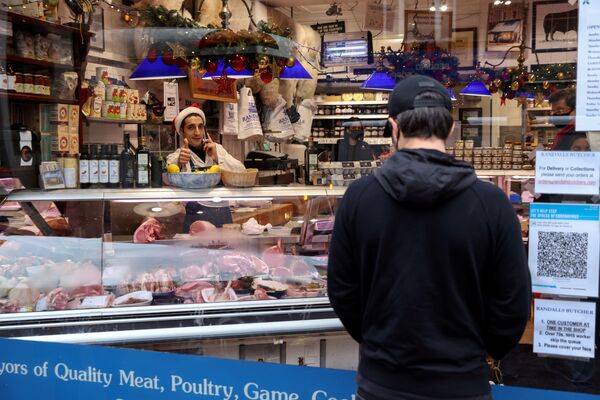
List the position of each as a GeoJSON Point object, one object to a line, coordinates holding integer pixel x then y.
{"type": "Point", "coordinates": [152, 55]}
{"type": "Point", "coordinates": [238, 62]}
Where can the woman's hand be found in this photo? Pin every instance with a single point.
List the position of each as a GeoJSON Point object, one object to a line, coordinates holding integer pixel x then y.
{"type": "Point", "coordinates": [185, 154]}
{"type": "Point", "coordinates": [210, 148]}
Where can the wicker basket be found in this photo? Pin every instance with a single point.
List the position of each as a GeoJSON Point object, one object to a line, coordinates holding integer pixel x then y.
{"type": "Point", "coordinates": [239, 179]}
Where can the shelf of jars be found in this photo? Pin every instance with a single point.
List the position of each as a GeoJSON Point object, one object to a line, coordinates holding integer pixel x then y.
{"type": "Point", "coordinates": [348, 116]}
{"type": "Point", "coordinates": [32, 61]}
{"type": "Point", "coordinates": [352, 103]}
{"type": "Point", "coordinates": [34, 98]}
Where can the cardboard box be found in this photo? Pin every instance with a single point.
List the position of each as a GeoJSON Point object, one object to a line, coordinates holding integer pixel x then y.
{"type": "Point", "coordinates": [63, 137]}
{"type": "Point", "coordinates": [73, 120]}
{"type": "Point", "coordinates": [73, 143]}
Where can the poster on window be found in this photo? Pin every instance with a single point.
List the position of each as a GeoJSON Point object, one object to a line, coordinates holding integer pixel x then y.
{"type": "Point", "coordinates": [171, 100]}
{"type": "Point", "coordinates": [563, 249]}
{"type": "Point", "coordinates": [505, 26]}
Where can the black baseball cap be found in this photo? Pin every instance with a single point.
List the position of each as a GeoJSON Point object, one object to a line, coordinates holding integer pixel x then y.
{"type": "Point", "coordinates": [403, 95]}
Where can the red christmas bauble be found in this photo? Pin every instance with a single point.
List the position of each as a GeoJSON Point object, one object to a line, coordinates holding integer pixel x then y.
{"type": "Point", "coordinates": [266, 76]}
{"type": "Point", "coordinates": [152, 55]}
{"type": "Point", "coordinates": [181, 62]}
{"type": "Point", "coordinates": [211, 67]}
{"type": "Point", "coordinates": [238, 62]}
{"type": "Point", "coordinates": [493, 89]}
{"type": "Point", "coordinates": [168, 57]}
{"type": "Point", "coordinates": [510, 96]}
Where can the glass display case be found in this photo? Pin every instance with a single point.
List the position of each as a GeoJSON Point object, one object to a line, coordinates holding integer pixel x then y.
{"type": "Point", "coordinates": [152, 265]}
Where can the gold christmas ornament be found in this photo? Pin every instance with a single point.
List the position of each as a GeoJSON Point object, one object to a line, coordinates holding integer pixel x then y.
{"type": "Point", "coordinates": [290, 62]}
{"type": "Point", "coordinates": [178, 50]}
{"type": "Point", "coordinates": [263, 62]}
{"type": "Point", "coordinates": [560, 75]}
{"type": "Point", "coordinates": [531, 78]}
{"type": "Point", "coordinates": [515, 86]}
{"type": "Point", "coordinates": [546, 85]}
{"type": "Point", "coordinates": [497, 82]}
{"type": "Point", "coordinates": [195, 65]}
{"type": "Point", "coordinates": [539, 99]}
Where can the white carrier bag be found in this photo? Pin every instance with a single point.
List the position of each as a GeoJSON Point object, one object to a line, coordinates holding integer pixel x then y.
{"type": "Point", "coordinates": [249, 124]}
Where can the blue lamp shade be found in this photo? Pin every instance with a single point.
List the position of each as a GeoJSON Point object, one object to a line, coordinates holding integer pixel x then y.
{"type": "Point", "coordinates": [231, 73]}
{"type": "Point", "coordinates": [296, 72]}
{"type": "Point", "coordinates": [451, 93]}
{"type": "Point", "coordinates": [379, 80]}
{"type": "Point", "coordinates": [157, 70]}
{"type": "Point", "coordinates": [475, 88]}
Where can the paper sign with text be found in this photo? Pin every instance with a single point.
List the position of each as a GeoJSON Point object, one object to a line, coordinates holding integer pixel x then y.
{"type": "Point", "coordinates": [563, 248]}
{"type": "Point", "coordinates": [567, 172]}
{"type": "Point", "coordinates": [565, 328]}
{"type": "Point", "coordinates": [588, 66]}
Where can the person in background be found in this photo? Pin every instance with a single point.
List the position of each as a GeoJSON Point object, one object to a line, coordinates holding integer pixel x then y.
{"type": "Point", "coordinates": [353, 146]}
{"type": "Point", "coordinates": [427, 269]}
{"type": "Point", "coordinates": [563, 116]}
{"type": "Point", "coordinates": [197, 148]}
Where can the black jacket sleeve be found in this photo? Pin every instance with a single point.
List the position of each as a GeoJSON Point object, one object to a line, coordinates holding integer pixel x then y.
{"type": "Point", "coordinates": [508, 301]}
{"type": "Point", "coordinates": [343, 274]}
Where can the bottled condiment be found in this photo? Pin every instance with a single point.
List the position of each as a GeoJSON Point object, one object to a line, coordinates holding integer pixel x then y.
{"type": "Point", "coordinates": [38, 84]}
{"type": "Point", "coordinates": [127, 164]}
{"type": "Point", "coordinates": [103, 165]}
{"type": "Point", "coordinates": [84, 167]}
{"type": "Point", "coordinates": [114, 167]}
{"type": "Point", "coordinates": [94, 171]}
{"type": "Point", "coordinates": [310, 161]}
{"type": "Point", "coordinates": [19, 83]}
{"type": "Point", "coordinates": [28, 86]}
{"type": "Point", "coordinates": [142, 164]}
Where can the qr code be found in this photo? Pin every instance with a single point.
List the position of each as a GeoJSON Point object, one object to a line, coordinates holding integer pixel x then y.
{"type": "Point", "coordinates": [562, 254]}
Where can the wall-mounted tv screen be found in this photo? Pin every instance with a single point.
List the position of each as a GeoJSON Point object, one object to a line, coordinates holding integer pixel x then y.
{"type": "Point", "coordinates": [347, 49]}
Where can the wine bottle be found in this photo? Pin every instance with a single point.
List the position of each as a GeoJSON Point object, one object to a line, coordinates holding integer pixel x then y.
{"type": "Point", "coordinates": [127, 164]}
{"type": "Point", "coordinates": [142, 164]}
{"type": "Point", "coordinates": [310, 161]}
{"type": "Point", "coordinates": [114, 167]}
{"type": "Point", "coordinates": [84, 167]}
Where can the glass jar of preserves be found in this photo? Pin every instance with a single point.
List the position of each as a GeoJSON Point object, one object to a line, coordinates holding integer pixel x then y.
{"type": "Point", "coordinates": [28, 85]}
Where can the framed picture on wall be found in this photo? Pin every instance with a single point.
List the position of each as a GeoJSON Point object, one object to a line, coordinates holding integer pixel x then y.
{"type": "Point", "coordinates": [505, 26]}
{"type": "Point", "coordinates": [470, 116]}
{"type": "Point", "coordinates": [554, 26]}
{"type": "Point", "coordinates": [97, 28]}
{"type": "Point", "coordinates": [464, 47]}
{"type": "Point", "coordinates": [427, 26]}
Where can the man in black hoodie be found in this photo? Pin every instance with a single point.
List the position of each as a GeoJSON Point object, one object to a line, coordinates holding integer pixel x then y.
{"type": "Point", "coordinates": [427, 269]}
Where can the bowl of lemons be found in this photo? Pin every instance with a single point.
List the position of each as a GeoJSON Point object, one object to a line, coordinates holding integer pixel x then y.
{"type": "Point", "coordinates": [199, 179]}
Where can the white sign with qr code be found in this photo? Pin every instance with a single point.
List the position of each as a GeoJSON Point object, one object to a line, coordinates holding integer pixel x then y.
{"type": "Point", "coordinates": [567, 172]}
{"type": "Point", "coordinates": [563, 249]}
{"type": "Point", "coordinates": [564, 328]}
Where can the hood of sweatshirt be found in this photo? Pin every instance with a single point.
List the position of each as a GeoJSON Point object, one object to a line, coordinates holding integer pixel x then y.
{"type": "Point", "coordinates": [424, 177]}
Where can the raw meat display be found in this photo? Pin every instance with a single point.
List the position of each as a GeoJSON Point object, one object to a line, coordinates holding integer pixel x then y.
{"type": "Point", "coordinates": [57, 299]}
{"type": "Point", "coordinates": [193, 291]}
{"type": "Point", "coordinates": [149, 231]}
{"type": "Point", "coordinates": [219, 293]}
{"type": "Point", "coordinates": [23, 294]}
{"type": "Point", "coordinates": [199, 227]}
{"type": "Point", "coordinates": [8, 306]}
{"type": "Point", "coordinates": [193, 272]}
{"type": "Point", "coordinates": [159, 281]}
{"type": "Point", "coordinates": [273, 256]}
{"type": "Point", "coordinates": [86, 290]}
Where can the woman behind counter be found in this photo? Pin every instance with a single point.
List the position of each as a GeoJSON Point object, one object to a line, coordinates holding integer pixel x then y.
{"type": "Point", "coordinates": [197, 144]}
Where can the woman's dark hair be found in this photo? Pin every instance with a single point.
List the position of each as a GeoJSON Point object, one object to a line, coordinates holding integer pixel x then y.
{"type": "Point", "coordinates": [569, 95]}
{"type": "Point", "coordinates": [425, 122]}
{"type": "Point", "coordinates": [565, 143]}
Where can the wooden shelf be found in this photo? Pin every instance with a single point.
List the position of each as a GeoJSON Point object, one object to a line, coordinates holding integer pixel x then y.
{"type": "Point", "coordinates": [39, 26]}
{"type": "Point", "coordinates": [113, 121]}
{"type": "Point", "coordinates": [32, 61]}
{"type": "Point", "coordinates": [353, 103]}
{"type": "Point", "coordinates": [35, 98]}
{"type": "Point", "coordinates": [348, 116]}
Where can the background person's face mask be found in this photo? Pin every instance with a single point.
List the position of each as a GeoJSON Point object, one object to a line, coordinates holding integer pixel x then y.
{"type": "Point", "coordinates": [357, 134]}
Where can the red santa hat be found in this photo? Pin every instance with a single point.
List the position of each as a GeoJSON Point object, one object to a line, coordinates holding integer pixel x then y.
{"type": "Point", "coordinates": [186, 112]}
